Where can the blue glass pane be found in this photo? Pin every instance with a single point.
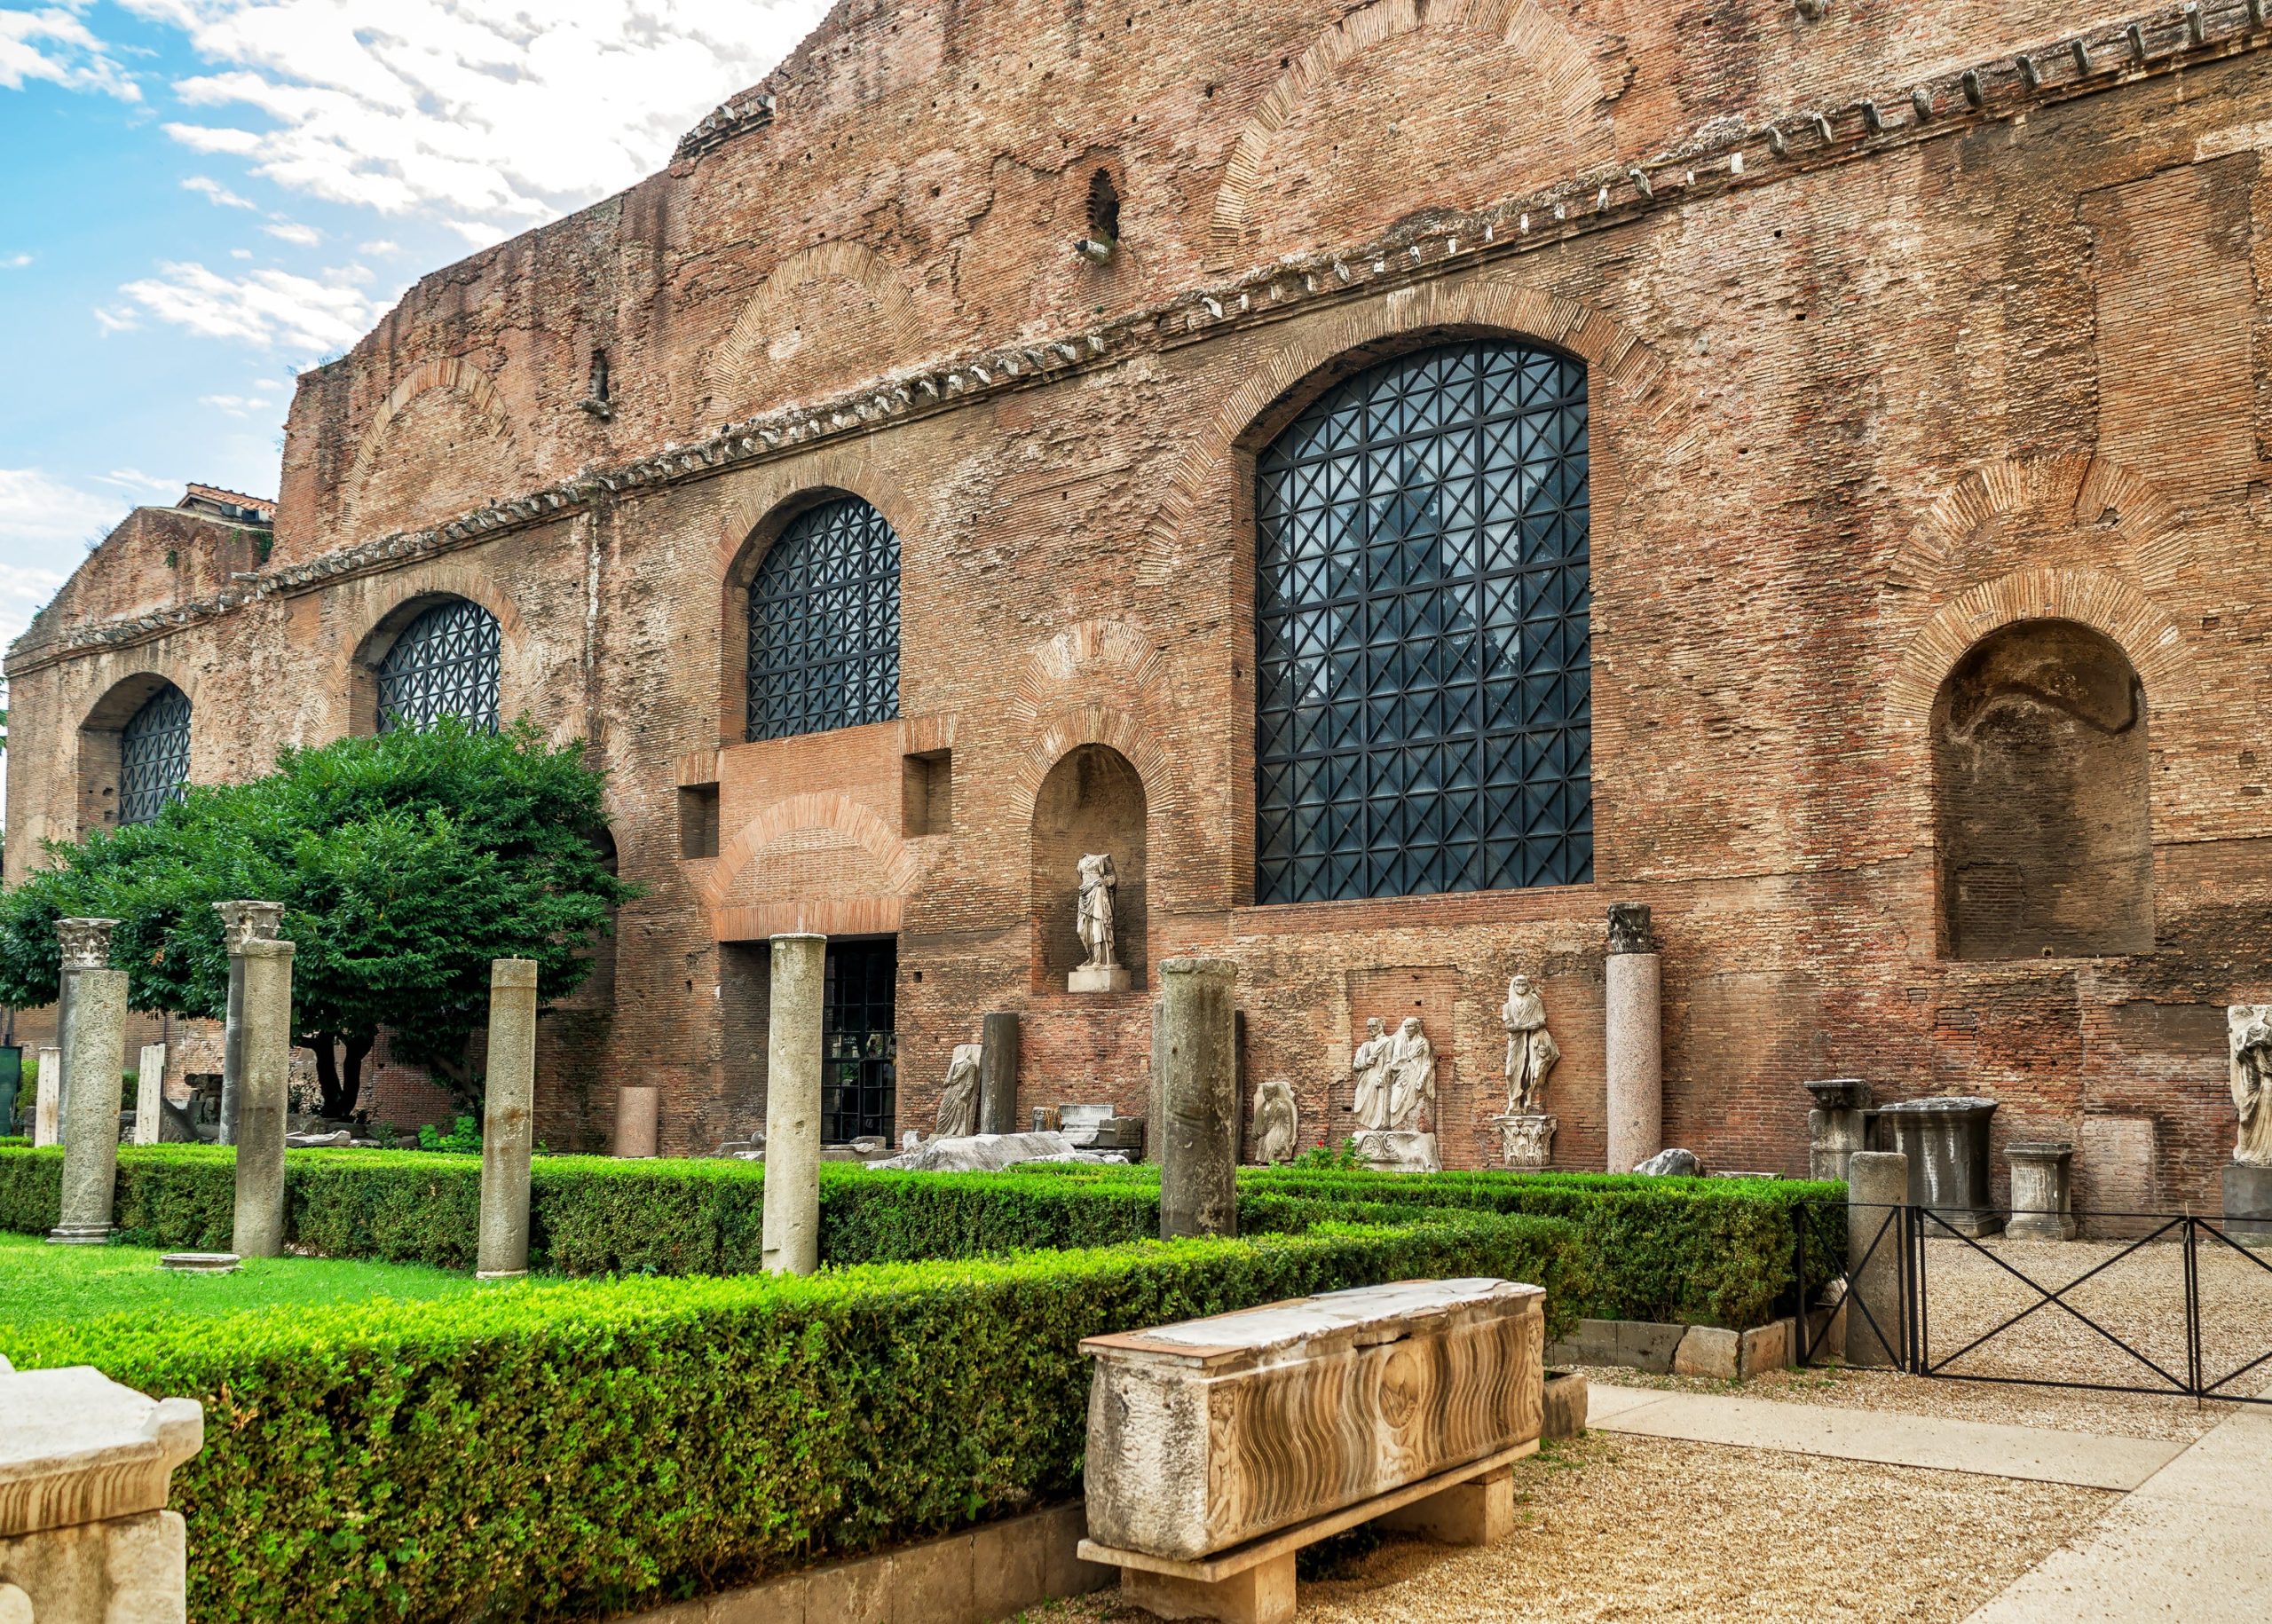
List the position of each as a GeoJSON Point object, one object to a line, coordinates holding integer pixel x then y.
{"type": "Point", "coordinates": [444, 663]}
{"type": "Point", "coordinates": [153, 756]}
{"type": "Point", "coordinates": [1422, 662]}
{"type": "Point", "coordinates": [824, 624]}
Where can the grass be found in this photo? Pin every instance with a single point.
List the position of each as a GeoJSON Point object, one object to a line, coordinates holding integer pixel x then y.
{"type": "Point", "coordinates": [43, 1285]}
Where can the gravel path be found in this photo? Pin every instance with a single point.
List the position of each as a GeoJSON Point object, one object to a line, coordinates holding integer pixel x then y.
{"type": "Point", "coordinates": [2140, 1298]}
{"type": "Point", "coordinates": [1630, 1529]}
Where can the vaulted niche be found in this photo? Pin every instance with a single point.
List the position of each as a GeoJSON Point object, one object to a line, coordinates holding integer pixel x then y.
{"type": "Point", "coordinates": [1092, 801]}
{"type": "Point", "coordinates": [2040, 773]}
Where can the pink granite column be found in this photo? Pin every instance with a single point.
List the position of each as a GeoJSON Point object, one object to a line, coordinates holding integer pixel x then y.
{"type": "Point", "coordinates": [1636, 1046]}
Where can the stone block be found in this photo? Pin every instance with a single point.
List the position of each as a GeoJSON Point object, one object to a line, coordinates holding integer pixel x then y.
{"type": "Point", "coordinates": [1006, 1565]}
{"type": "Point", "coordinates": [1707, 1351]}
{"type": "Point", "coordinates": [1386, 1385]}
{"type": "Point", "coordinates": [780, 1602]}
{"type": "Point", "coordinates": [1766, 1347]}
{"type": "Point", "coordinates": [1063, 1570]}
{"type": "Point", "coordinates": [1564, 1412]}
{"type": "Point", "coordinates": [932, 1582]}
{"type": "Point", "coordinates": [2248, 1204]}
{"type": "Point", "coordinates": [1263, 1594]}
{"type": "Point", "coordinates": [1645, 1345]}
{"type": "Point", "coordinates": [856, 1592]}
{"type": "Point", "coordinates": [1479, 1511]}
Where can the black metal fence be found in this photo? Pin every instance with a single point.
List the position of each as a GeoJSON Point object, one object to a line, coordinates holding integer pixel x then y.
{"type": "Point", "coordinates": [2178, 1306]}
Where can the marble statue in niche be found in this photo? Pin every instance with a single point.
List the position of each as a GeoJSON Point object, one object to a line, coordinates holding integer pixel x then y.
{"type": "Point", "coordinates": [1395, 1076]}
{"type": "Point", "coordinates": [958, 1099]}
{"type": "Point", "coordinates": [1277, 1125]}
{"type": "Point", "coordinates": [1531, 1048]}
{"type": "Point", "coordinates": [1101, 971]}
{"type": "Point", "coordinates": [1370, 1066]}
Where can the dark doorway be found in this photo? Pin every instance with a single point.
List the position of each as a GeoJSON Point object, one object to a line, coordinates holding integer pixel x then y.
{"type": "Point", "coordinates": [859, 1089]}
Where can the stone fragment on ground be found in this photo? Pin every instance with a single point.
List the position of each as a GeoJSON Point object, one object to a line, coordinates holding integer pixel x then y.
{"type": "Point", "coordinates": [989, 1153]}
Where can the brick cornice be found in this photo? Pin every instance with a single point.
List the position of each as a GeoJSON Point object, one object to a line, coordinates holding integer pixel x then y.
{"type": "Point", "coordinates": [1719, 157]}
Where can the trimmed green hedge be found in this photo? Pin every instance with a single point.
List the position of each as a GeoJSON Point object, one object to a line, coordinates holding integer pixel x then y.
{"type": "Point", "coordinates": [542, 1450]}
{"type": "Point", "coordinates": [1704, 1251]}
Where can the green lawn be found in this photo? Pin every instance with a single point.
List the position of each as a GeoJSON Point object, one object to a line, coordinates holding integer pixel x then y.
{"type": "Point", "coordinates": [43, 1285]}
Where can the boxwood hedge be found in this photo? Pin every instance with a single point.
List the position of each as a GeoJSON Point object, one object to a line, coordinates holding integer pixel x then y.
{"type": "Point", "coordinates": [545, 1450]}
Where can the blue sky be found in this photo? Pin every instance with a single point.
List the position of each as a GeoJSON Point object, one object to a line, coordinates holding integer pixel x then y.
{"type": "Point", "coordinates": [205, 195]}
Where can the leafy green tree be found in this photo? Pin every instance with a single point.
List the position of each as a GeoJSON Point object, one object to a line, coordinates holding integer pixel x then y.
{"type": "Point", "coordinates": [405, 862]}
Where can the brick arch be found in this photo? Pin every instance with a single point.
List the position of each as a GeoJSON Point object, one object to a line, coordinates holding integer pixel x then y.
{"type": "Point", "coordinates": [1563, 64]}
{"type": "Point", "coordinates": [2149, 638]}
{"type": "Point", "coordinates": [1097, 681]}
{"type": "Point", "coordinates": [445, 373]}
{"type": "Point", "coordinates": [780, 301]}
{"type": "Point", "coordinates": [120, 699]}
{"type": "Point", "coordinates": [1614, 354]}
{"type": "Point", "coordinates": [897, 868]}
{"type": "Point", "coordinates": [456, 577]}
{"type": "Point", "coordinates": [2082, 490]}
{"type": "Point", "coordinates": [1056, 736]}
{"type": "Point", "coordinates": [759, 500]}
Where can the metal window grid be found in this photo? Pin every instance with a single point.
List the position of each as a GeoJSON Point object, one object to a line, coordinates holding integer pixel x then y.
{"type": "Point", "coordinates": [824, 624]}
{"type": "Point", "coordinates": [444, 663]}
{"type": "Point", "coordinates": [153, 756]}
{"type": "Point", "coordinates": [1423, 679]}
{"type": "Point", "coordinates": [859, 1092]}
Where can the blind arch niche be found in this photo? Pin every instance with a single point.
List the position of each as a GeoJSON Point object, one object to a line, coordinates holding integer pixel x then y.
{"type": "Point", "coordinates": [1422, 657]}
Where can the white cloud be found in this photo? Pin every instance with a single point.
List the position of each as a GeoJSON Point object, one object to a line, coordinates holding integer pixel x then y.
{"type": "Point", "coordinates": [52, 44]}
{"type": "Point", "coordinates": [267, 308]}
{"type": "Point", "coordinates": [16, 262]}
{"type": "Point", "coordinates": [117, 319]}
{"type": "Point", "coordinates": [383, 246]}
{"type": "Point", "coordinates": [292, 231]}
{"type": "Point", "coordinates": [217, 193]}
{"type": "Point", "coordinates": [474, 110]}
{"type": "Point", "coordinates": [237, 405]}
{"type": "Point", "coordinates": [134, 478]}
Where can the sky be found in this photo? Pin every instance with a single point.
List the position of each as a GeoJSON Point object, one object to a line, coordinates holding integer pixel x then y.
{"type": "Point", "coordinates": [204, 196]}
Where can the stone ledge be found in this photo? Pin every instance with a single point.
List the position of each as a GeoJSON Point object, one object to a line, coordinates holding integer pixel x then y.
{"type": "Point", "coordinates": [1678, 1349]}
{"type": "Point", "coordinates": [973, 1577]}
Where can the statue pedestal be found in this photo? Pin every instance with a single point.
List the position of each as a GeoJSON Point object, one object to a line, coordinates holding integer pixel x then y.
{"type": "Point", "coordinates": [1527, 1138]}
{"type": "Point", "coordinates": [2248, 1203]}
{"type": "Point", "coordinates": [1089, 979]}
{"type": "Point", "coordinates": [1393, 1150]}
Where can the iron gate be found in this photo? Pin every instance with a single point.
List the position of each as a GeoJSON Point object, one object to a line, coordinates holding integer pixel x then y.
{"type": "Point", "coordinates": [2180, 1307]}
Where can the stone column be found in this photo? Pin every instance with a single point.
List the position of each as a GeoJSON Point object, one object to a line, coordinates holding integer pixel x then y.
{"type": "Point", "coordinates": [997, 1075]}
{"type": "Point", "coordinates": [264, 1095]}
{"type": "Point", "coordinates": [1877, 1193]}
{"type": "Point", "coordinates": [241, 922]}
{"type": "Point", "coordinates": [1155, 1108]}
{"type": "Point", "coordinates": [62, 1050]}
{"type": "Point", "coordinates": [636, 1110]}
{"type": "Point", "coordinates": [1636, 1046]}
{"type": "Point", "coordinates": [1837, 1126]}
{"type": "Point", "coordinates": [94, 1046]}
{"type": "Point", "coordinates": [793, 1071]}
{"type": "Point", "coordinates": [149, 1093]}
{"type": "Point", "coordinates": [509, 1094]}
{"type": "Point", "coordinates": [47, 1104]}
{"type": "Point", "coordinates": [1200, 1136]}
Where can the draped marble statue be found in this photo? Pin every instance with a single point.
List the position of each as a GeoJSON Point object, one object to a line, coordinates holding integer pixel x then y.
{"type": "Point", "coordinates": [1531, 1048]}
{"type": "Point", "coordinates": [1102, 970]}
{"type": "Point", "coordinates": [2249, 1028]}
{"type": "Point", "coordinates": [958, 1099]}
{"type": "Point", "coordinates": [1277, 1125]}
{"type": "Point", "coordinates": [1411, 1075]}
{"type": "Point", "coordinates": [1370, 1066]}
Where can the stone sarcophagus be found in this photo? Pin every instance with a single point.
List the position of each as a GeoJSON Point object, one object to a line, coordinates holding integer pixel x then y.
{"type": "Point", "coordinates": [1215, 1433]}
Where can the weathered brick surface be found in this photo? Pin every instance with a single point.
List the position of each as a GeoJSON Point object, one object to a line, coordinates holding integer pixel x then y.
{"type": "Point", "coordinates": [1854, 408]}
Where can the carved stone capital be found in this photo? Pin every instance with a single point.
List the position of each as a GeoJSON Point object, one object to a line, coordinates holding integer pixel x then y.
{"type": "Point", "coordinates": [242, 922]}
{"type": "Point", "coordinates": [1629, 928]}
{"type": "Point", "coordinates": [86, 942]}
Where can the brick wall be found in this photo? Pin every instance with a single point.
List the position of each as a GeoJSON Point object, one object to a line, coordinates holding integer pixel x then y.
{"type": "Point", "coordinates": [1854, 405]}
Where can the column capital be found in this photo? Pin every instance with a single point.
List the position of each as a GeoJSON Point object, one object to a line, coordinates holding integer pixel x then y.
{"type": "Point", "coordinates": [249, 921]}
{"type": "Point", "coordinates": [86, 942]}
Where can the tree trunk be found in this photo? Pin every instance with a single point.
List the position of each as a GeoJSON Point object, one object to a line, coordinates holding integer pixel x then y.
{"type": "Point", "coordinates": [332, 1101]}
{"type": "Point", "coordinates": [351, 1082]}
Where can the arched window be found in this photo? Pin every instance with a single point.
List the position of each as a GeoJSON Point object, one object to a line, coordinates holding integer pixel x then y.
{"type": "Point", "coordinates": [1423, 719]}
{"type": "Point", "coordinates": [444, 663]}
{"type": "Point", "coordinates": [2040, 776]}
{"type": "Point", "coordinates": [154, 755]}
{"type": "Point", "coordinates": [824, 624]}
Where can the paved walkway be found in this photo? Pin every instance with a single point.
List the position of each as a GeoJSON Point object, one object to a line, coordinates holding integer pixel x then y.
{"type": "Point", "coordinates": [2193, 1543]}
{"type": "Point", "coordinates": [2191, 1540]}
{"type": "Point", "coordinates": [1888, 1436]}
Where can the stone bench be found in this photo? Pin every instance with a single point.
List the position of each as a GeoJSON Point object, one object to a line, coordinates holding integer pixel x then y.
{"type": "Point", "coordinates": [1219, 1447]}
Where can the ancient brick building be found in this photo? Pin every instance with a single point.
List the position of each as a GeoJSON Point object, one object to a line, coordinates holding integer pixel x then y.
{"type": "Point", "coordinates": [1401, 478]}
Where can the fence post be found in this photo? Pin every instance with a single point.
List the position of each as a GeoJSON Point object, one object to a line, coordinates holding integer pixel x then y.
{"type": "Point", "coordinates": [1877, 1194]}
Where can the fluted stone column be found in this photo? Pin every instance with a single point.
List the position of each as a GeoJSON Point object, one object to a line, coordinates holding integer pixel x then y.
{"type": "Point", "coordinates": [1877, 1193]}
{"type": "Point", "coordinates": [998, 1074]}
{"type": "Point", "coordinates": [1634, 1056]}
{"type": "Point", "coordinates": [149, 1093]}
{"type": "Point", "coordinates": [94, 1046]}
{"type": "Point", "coordinates": [264, 1095]}
{"type": "Point", "coordinates": [241, 922]}
{"type": "Point", "coordinates": [47, 1104]}
{"type": "Point", "coordinates": [1200, 1139]}
{"type": "Point", "coordinates": [508, 1096]}
{"type": "Point", "coordinates": [793, 1073]}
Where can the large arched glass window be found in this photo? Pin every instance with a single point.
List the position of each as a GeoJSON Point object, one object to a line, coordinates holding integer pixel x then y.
{"type": "Point", "coordinates": [824, 624]}
{"type": "Point", "coordinates": [154, 755]}
{"type": "Point", "coordinates": [1422, 676]}
{"type": "Point", "coordinates": [444, 663]}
